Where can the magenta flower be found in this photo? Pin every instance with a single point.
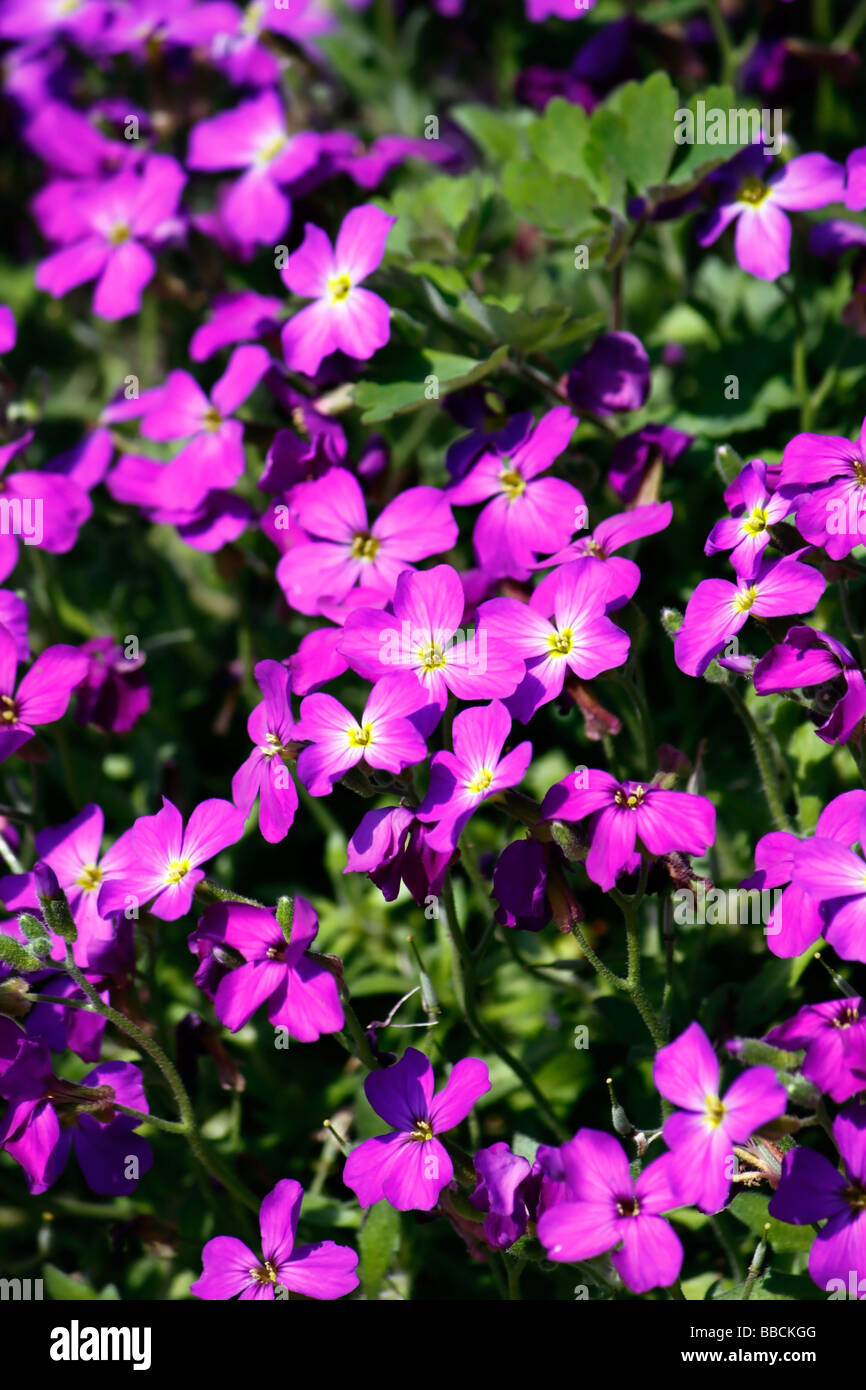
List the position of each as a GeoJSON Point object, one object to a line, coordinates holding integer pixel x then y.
{"type": "Point", "coordinates": [46, 1118]}
{"type": "Point", "coordinates": [526, 513]}
{"type": "Point", "coordinates": [8, 329]}
{"type": "Point", "coordinates": [703, 1132]}
{"type": "Point", "coordinates": [344, 316]}
{"type": "Point", "coordinates": [812, 1189]}
{"type": "Point", "coordinates": [538, 10]}
{"type": "Point", "coordinates": [621, 576]}
{"type": "Point", "coordinates": [562, 629]}
{"type": "Point", "coordinates": [825, 474]}
{"type": "Point", "coordinates": [265, 774]}
{"type": "Point", "coordinates": [410, 1166]}
{"type": "Point", "coordinates": [114, 693]}
{"type": "Point", "coordinates": [806, 659]}
{"type": "Point", "coordinates": [117, 221]}
{"type": "Point", "coordinates": [343, 550]}
{"type": "Point", "coordinates": [634, 455]}
{"type": "Point", "coordinates": [759, 202]}
{"type": "Point", "coordinates": [428, 608]}
{"type": "Point", "coordinates": [299, 994]}
{"type": "Point", "coordinates": [605, 1208]}
{"type": "Point", "coordinates": [74, 852]}
{"type": "Point", "coordinates": [42, 696]}
{"type": "Point", "coordinates": [834, 1038]}
{"type": "Point", "coordinates": [612, 375]}
{"type": "Point", "coordinates": [461, 780]}
{"type": "Point", "coordinates": [835, 876]}
{"type": "Point", "coordinates": [158, 859]}
{"type": "Point", "coordinates": [753, 510]}
{"type": "Point", "coordinates": [323, 1270]}
{"type": "Point", "coordinates": [253, 137]}
{"type": "Point", "coordinates": [41, 508]}
{"type": "Point", "coordinates": [796, 920]}
{"type": "Point", "coordinates": [214, 456]}
{"type": "Point", "coordinates": [718, 609]}
{"type": "Point", "coordinates": [384, 737]}
{"type": "Point", "coordinates": [235, 318]}
{"type": "Point", "coordinates": [625, 815]}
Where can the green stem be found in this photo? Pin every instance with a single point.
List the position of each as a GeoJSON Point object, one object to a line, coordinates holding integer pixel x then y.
{"type": "Point", "coordinates": [11, 859]}
{"type": "Point", "coordinates": [171, 1126]}
{"type": "Point", "coordinates": [716, 16]}
{"type": "Point", "coordinates": [362, 1042]}
{"type": "Point", "coordinates": [466, 993]}
{"type": "Point", "coordinates": [763, 758]}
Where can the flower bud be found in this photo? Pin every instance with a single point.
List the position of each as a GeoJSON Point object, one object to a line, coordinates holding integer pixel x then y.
{"type": "Point", "coordinates": [45, 880]}
{"type": "Point", "coordinates": [36, 933]}
{"type": "Point", "coordinates": [19, 957]}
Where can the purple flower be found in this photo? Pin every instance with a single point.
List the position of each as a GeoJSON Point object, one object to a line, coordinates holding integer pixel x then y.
{"type": "Point", "coordinates": [253, 137]}
{"type": "Point", "coordinates": [520, 886]}
{"type": "Point", "coordinates": [114, 693]}
{"type": "Point", "coordinates": [833, 1035]}
{"type": "Point", "coordinates": [42, 696]}
{"type": "Point", "coordinates": [324, 1270]}
{"type": "Point", "coordinates": [825, 475]}
{"type": "Point", "coordinates": [46, 1117]}
{"type": "Point", "coordinates": [605, 1207]}
{"type": "Point", "coordinates": [265, 774]}
{"type": "Point", "coordinates": [527, 513]}
{"type": "Point", "coordinates": [214, 456]}
{"type": "Point", "coordinates": [812, 1189]}
{"type": "Point", "coordinates": [384, 736]}
{"type": "Point", "coordinates": [410, 1166]}
{"type": "Point", "coordinates": [380, 848]}
{"type": "Point", "coordinates": [500, 1192]}
{"type": "Point", "coordinates": [538, 10]}
{"type": "Point", "coordinates": [754, 510]}
{"type": "Point", "coordinates": [428, 608]}
{"type": "Point", "coordinates": [116, 222]}
{"type": "Point", "coordinates": [703, 1132]}
{"type": "Point", "coordinates": [344, 550]}
{"type": "Point", "coordinates": [8, 329]}
{"type": "Point", "coordinates": [344, 316]}
{"type": "Point", "coordinates": [562, 629]}
{"type": "Point", "coordinates": [621, 576]}
{"type": "Point", "coordinates": [759, 202]}
{"type": "Point", "coordinates": [807, 658]}
{"type": "Point", "coordinates": [613, 375]}
{"type": "Point", "coordinates": [634, 455]}
{"type": "Point", "coordinates": [461, 780]}
{"type": "Point", "coordinates": [298, 993]}
{"type": "Point", "coordinates": [718, 609]}
{"type": "Point", "coordinates": [158, 859]}
{"type": "Point", "coordinates": [626, 814]}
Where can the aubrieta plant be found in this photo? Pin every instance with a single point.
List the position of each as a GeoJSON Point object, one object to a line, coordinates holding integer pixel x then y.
{"type": "Point", "coordinates": [432, 524]}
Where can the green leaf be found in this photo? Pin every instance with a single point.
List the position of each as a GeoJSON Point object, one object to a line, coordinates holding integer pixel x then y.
{"type": "Point", "coordinates": [63, 1288]}
{"type": "Point", "coordinates": [554, 203]}
{"type": "Point", "coordinates": [377, 1244]}
{"type": "Point", "coordinates": [648, 112]}
{"type": "Point", "coordinates": [382, 400]}
{"type": "Point", "coordinates": [499, 134]}
{"type": "Point", "coordinates": [702, 158]}
{"type": "Point", "coordinates": [558, 137]}
{"type": "Point", "coordinates": [751, 1208]}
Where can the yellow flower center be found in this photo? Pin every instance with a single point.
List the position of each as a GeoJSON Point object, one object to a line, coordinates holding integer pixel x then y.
{"type": "Point", "coordinates": [628, 1206]}
{"type": "Point", "coordinates": [629, 799]}
{"type": "Point", "coordinates": [432, 657]}
{"type": "Point", "coordinates": [90, 877]}
{"type": "Point", "coordinates": [757, 522]}
{"type": "Point", "coordinates": [271, 149]}
{"type": "Point", "coordinates": [512, 483]}
{"type": "Point", "coordinates": [364, 546]}
{"type": "Point", "coordinates": [422, 1132]}
{"type": "Point", "coordinates": [753, 191]}
{"type": "Point", "coordinates": [212, 418]}
{"type": "Point", "coordinates": [177, 869]}
{"type": "Point", "coordinates": [481, 781]}
{"type": "Point", "coordinates": [855, 1196]}
{"type": "Point", "coordinates": [119, 234]}
{"type": "Point", "coordinates": [251, 22]}
{"type": "Point", "coordinates": [859, 473]}
{"type": "Point", "coordinates": [264, 1274]}
{"type": "Point", "coordinates": [561, 643]}
{"type": "Point", "coordinates": [744, 600]}
{"type": "Point", "coordinates": [714, 1111]}
{"type": "Point", "coordinates": [360, 736]}
{"type": "Point", "coordinates": [8, 709]}
{"type": "Point", "coordinates": [338, 288]}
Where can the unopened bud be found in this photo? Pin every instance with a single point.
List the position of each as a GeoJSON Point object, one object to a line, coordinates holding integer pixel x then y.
{"type": "Point", "coordinates": [20, 957]}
